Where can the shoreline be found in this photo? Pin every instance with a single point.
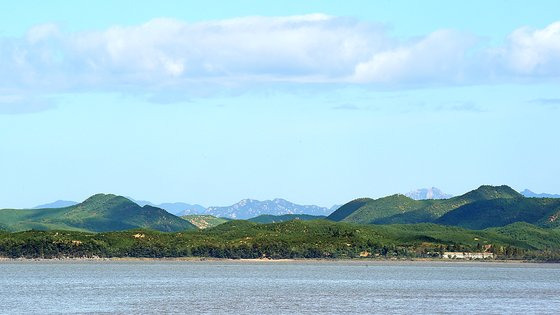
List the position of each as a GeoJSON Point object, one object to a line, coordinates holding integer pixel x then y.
{"type": "Point", "coordinates": [272, 261]}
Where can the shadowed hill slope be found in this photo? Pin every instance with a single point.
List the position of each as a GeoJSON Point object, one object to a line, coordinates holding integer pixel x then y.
{"type": "Point", "coordinates": [501, 212]}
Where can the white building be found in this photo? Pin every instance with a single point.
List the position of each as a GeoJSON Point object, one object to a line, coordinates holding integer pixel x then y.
{"type": "Point", "coordinates": [467, 255]}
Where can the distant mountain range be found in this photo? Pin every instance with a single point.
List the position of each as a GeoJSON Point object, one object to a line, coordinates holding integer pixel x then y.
{"type": "Point", "coordinates": [484, 207]}
{"type": "Point", "coordinates": [249, 208]}
{"type": "Point", "coordinates": [487, 206]}
{"type": "Point", "coordinates": [56, 204]}
{"type": "Point", "coordinates": [530, 194]}
{"type": "Point", "coordinates": [427, 193]}
{"type": "Point", "coordinates": [176, 208]}
{"type": "Point", "coordinates": [244, 209]}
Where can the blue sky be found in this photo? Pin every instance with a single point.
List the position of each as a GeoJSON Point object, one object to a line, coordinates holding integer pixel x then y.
{"type": "Point", "coordinates": [318, 102]}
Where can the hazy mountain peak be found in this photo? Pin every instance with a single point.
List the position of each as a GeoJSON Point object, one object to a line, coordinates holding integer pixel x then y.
{"type": "Point", "coordinates": [530, 194]}
{"type": "Point", "coordinates": [427, 193]}
{"type": "Point", "coordinates": [56, 204]}
{"type": "Point", "coordinates": [246, 201]}
{"type": "Point", "coordinates": [250, 208]}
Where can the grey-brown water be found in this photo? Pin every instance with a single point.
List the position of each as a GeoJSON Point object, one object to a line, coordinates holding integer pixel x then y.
{"type": "Point", "coordinates": [277, 287]}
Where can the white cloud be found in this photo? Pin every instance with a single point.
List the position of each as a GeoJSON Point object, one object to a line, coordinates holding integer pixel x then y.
{"type": "Point", "coordinates": [307, 48]}
{"type": "Point", "coordinates": [310, 47]}
{"type": "Point", "coordinates": [438, 57]}
{"type": "Point", "coordinates": [42, 32]}
{"type": "Point", "coordinates": [165, 55]}
{"type": "Point", "coordinates": [533, 52]}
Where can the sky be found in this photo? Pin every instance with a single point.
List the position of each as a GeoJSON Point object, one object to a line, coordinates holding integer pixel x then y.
{"type": "Point", "coordinates": [317, 102]}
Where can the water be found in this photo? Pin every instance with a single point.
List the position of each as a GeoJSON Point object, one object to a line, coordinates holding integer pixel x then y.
{"type": "Point", "coordinates": [277, 287]}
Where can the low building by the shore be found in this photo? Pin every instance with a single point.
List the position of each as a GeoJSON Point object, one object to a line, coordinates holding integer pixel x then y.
{"type": "Point", "coordinates": [467, 255]}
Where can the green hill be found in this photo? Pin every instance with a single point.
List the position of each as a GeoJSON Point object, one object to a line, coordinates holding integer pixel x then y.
{"type": "Point", "coordinates": [268, 218]}
{"type": "Point", "coordinates": [99, 213]}
{"type": "Point", "coordinates": [204, 221]}
{"type": "Point", "coordinates": [483, 207]}
{"type": "Point", "coordinates": [291, 239]}
{"type": "Point", "coordinates": [427, 235]}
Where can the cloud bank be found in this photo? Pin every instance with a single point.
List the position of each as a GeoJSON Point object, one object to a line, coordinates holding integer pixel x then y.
{"type": "Point", "coordinates": [169, 54]}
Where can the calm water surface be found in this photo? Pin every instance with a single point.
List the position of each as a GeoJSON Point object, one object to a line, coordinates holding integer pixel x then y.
{"type": "Point", "coordinates": [43, 287]}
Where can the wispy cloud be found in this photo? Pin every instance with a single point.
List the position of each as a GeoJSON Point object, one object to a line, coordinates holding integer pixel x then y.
{"type": "Point", "coordinates": [459, 106]}
{"type": "Point", "coordinates": [439, 57]}
{"type": "Point", "coordinates": [532, 52]}
{"type": "Point", "coordinates": [549, 102]}
{"type": "Point", "coordinates": [346, 107]}
{"type": "Point", "coordinates": [17, 104]}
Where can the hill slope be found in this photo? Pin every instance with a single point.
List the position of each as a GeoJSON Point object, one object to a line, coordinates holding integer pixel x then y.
{"type": "Point", "coordinates": [371, 211]}
{"type": "Point", "coordinates": [267, 218]}
{"type": "Point", "coordinates": [99, 213]}
{"type": "Point", "coordinates": [204, 221]}
{"type": "Point", "coordinates": [484, 207]}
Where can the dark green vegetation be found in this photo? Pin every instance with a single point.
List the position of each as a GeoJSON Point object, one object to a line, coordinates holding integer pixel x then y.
{"type": "Point", "coordinates": [292, 239]}
{"type": "Point", "coordinates": [204, 221]}
{"type": "Point", "coordinates": [487, 206]}
{"type": "Point", "coordinates": [98, 213]}
{"type": "Point", "coordinates": [267, 218]}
